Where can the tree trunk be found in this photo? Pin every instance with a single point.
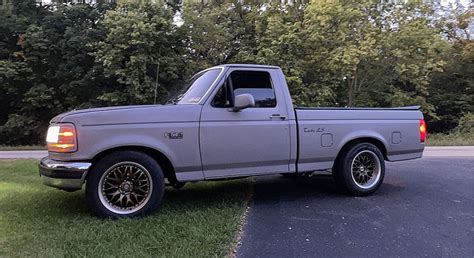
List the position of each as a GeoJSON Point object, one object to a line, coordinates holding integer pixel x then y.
{"type": "Point", "coordinates": [351, 85]}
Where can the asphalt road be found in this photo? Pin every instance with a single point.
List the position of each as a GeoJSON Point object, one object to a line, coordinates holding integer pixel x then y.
{"type": "Point", "coordinates": [424, 208]}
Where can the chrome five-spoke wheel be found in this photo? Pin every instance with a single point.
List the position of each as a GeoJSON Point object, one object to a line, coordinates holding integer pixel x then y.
{"type": "Point", "coordinates": [365, 169]}
{"type": "Point", "coordinates": [125, 187]}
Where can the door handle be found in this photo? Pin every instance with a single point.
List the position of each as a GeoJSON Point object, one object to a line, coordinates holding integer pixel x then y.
{"type": "Point", "coordinates": [274, 116]}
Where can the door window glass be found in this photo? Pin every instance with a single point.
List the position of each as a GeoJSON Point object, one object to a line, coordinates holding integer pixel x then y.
{"type": "Point", "coordinates": [256, 83]}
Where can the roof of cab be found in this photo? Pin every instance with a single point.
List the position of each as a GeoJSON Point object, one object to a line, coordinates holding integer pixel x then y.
{"type": "Point", "coordinates": [249, 66]}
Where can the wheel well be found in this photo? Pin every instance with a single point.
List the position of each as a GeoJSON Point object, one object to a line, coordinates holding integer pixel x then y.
{"type": "Point", "coordinates": [165, 163]}
{"type": "Point", "coordinates": [373, 141]}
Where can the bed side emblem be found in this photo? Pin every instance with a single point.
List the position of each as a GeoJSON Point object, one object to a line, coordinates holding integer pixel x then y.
{"type": "Point", "coordinates": [174, 135]}
{"type": "Point", "coordinates": [311, 130]}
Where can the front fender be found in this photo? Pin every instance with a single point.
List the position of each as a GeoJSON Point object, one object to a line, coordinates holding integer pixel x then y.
{"type": "Point", "coordinates": [183, 152]}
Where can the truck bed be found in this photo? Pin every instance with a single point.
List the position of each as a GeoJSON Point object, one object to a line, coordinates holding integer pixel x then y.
{"type": "Point", "coordinates": [323, 131]}
{"type": "Point", "coordinates": [359, 108]}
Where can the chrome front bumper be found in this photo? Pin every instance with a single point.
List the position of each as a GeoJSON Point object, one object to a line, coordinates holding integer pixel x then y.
{"type": "Point", "coordinates": [69, 176]}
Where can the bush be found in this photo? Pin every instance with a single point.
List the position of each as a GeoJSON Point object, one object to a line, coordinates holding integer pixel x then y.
{"type": "Point", "coordinates": [466, 124]}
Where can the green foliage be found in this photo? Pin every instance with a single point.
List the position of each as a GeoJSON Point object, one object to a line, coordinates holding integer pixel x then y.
{"type": "Point", "coordinates": [50, 69]}
{"type": "Point", "coordinates": [218, 32]}
{"type": "Point", "coordinates": [141, 40]}
{"type": "Point", "coordinates": [452, 91]}
{"type": "Point", "coordinates": [462, 135]}
{"type": "Point", "coordinates": [466, 124]}
{"type": "Point", "coordinates": [333, 53]}
{"type": "Point", "coordinates": [368, 58]}
{"type": "Point", "coordinates": [280, 31]}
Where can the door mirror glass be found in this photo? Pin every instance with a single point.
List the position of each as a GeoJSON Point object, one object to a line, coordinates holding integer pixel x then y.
{"type": "Point", "coordinates": [243, 101]}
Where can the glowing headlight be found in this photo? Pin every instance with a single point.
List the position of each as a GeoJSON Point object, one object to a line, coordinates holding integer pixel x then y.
{"type": "Point", "coordinates": [61, 138]}
{"type": "Point", "coordinates": [53, 134]}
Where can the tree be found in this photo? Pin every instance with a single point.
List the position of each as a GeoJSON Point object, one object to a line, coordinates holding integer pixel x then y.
{"type": "Point", "coordinates": [333, 53]}
{"type": "Point", "coordinates": [452, 91]}
{"type": "Point", "coordinates": [341, 38]}
{"type": "Point", "coordinates": [281, 42]}
{"type": "Point", "coordinates": [141, 40]}
{"type": "Point", "coordinates": [52, 70]}
{"type": "Point", "coordinates": [219, 32]}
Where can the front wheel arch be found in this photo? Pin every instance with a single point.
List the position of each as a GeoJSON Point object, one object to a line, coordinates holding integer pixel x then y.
{"type": "Point", "coordinates": [164, 162]}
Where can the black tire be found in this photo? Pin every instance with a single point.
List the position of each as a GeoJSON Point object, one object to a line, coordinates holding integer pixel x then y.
{"type": "Point", "coordinates": [354, 182]}
{"type": "Point", "coordinates": [151, 171]}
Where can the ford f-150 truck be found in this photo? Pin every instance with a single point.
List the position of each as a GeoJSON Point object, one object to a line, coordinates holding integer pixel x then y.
{"type": "Point", "coordinates": [229, 121]}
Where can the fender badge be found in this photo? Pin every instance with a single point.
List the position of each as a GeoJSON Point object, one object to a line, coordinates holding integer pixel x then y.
{"type": "Point", "coordinates": [174, 135]}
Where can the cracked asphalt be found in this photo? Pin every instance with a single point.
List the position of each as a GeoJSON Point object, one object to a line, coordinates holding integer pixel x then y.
{"type": "Point", "coordinates": [424, 208]}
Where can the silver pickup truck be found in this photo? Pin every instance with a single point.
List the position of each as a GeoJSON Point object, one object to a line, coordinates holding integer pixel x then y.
{"type": "Point", "coordinates": [229, 121]}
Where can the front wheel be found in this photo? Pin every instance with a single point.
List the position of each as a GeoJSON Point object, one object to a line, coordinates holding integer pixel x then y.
{"type": "Point", "coordinates": [125, 184]}
{"type": "Point", "coordinates": [360, 169]}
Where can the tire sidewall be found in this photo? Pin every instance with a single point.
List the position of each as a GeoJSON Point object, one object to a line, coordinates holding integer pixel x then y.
{"type": "Point", "coordinates": [98, 170]}
{"type": "Point", "coordinates": [347, 169]}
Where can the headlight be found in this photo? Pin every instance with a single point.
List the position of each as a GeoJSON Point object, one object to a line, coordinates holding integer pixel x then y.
{"type": "Point", "coordinates": [61, 138]}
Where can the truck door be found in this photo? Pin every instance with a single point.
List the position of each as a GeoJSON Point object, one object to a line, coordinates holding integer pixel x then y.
{"type": "Point", "coordinates": [252, 141]}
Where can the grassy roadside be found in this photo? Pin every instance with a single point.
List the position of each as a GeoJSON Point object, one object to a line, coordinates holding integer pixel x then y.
{"type": "Point", "coordinates": [453, 139]}
{"type": "Point", "coordinates": [200, 220]}
{"type": "Point", "coordinates": [21, 147]}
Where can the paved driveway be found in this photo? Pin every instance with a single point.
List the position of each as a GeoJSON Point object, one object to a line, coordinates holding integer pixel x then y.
{"type": "Point", "coordinates": [424, 208]}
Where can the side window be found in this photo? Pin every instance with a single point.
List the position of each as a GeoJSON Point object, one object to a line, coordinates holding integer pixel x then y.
{"type": "Point", "coordinates": [258, 84]}
{"type": "Point", "coordinates": [222, 99]}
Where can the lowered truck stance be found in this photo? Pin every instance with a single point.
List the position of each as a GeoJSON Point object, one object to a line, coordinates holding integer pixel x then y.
{"type": "Point", "coordinates": [229, 121]}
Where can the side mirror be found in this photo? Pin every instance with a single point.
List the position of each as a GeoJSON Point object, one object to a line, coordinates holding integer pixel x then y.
{"type": "Point", "coordinates": [243, 101]}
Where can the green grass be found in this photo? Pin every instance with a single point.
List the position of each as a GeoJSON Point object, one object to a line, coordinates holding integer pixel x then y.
{"type": "Point", "coordinates": [21, 147]}
{"type": "Point", "coordinates": [453, 139]}
{"type": "Point", "coordinates": [200, 220]}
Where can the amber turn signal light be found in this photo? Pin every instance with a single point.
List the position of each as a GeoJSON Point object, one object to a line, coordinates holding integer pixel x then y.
{"type": "Point", "coordinates": [61, 138]}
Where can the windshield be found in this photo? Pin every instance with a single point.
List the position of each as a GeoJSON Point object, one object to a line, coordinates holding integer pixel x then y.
{"type": "Point", "coordinates": [196, 88]}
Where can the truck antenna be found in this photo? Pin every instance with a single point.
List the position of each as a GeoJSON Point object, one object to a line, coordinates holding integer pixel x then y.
{"type": "Point", "coordinates": [156, 82]}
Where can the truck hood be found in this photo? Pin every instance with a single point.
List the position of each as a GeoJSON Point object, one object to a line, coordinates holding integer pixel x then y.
{"type": "Point", "coordinates": [131, 115]}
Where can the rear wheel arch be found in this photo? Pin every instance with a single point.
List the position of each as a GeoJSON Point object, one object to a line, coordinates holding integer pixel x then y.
{"type": "Point", "coordinates": [378, 143]}
{"type": "Point", "coordinates": [164, 162]}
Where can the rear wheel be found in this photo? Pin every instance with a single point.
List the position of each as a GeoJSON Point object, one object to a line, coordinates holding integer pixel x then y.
{"type": "Point", "coordinates": [360, 169]}
{"type": "Point", "coordinates": [125, 184]}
